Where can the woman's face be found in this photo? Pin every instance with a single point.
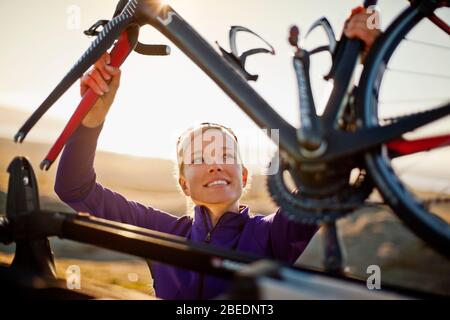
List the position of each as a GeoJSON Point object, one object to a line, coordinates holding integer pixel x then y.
{"type": "Point", "coordinates": [212, 170]}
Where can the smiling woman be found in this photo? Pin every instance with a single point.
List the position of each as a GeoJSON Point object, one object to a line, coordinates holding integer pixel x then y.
{"type": "Point", "coordinates": [211, 173]}
{"type": "Point", "coordinates": [214, 180]}
{"type": "Point", "coordinates": [210, 168]}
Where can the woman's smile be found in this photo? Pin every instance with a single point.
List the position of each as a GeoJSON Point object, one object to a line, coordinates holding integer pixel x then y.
{"type": "Point", "coordinates": [217, 183]}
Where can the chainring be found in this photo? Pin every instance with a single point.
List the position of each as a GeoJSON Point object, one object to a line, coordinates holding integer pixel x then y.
{"type": "Point", "coordinates": [305, 208]}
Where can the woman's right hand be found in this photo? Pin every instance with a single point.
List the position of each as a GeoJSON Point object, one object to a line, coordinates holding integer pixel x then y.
{"type": "Point", "coordinates": [104, 80]}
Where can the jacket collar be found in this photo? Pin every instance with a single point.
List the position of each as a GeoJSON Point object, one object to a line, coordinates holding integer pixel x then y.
{"type": "Point", "coordinates": [228, 220]}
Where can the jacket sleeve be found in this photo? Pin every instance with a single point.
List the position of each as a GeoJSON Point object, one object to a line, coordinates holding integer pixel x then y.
{"type": "Point", "coordinates": [76, 185]}
{"type": "Point", "coordinates": [288, 238]}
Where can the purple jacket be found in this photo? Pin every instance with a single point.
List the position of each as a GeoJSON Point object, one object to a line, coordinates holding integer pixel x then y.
{"type": "Point", "coordinates": [272, 236]}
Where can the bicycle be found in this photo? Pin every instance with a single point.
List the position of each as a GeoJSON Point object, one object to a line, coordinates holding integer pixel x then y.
{"type": "Point", "coordinates": [320, 155]}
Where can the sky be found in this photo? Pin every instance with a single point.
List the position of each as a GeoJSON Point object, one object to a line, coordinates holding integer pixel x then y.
{"type": "Point", "coordinates": [160, 97]}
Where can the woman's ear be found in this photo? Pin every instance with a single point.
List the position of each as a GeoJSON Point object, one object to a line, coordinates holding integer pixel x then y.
{"type": "Point", "coordinates": [244, 176]}
{"type": "Point", "coordinates": [184, 186]}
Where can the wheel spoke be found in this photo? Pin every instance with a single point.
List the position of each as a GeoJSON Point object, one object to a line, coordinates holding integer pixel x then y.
{"type": "Point", "coordinates": [422, 74]}
{"type": "Point", "coordinates": [438, 46]}
{"type": "Point", "coordinates": [412, 100]}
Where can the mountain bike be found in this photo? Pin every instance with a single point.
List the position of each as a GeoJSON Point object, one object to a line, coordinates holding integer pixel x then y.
{"type": "Point", "coordinates": [335, 159]}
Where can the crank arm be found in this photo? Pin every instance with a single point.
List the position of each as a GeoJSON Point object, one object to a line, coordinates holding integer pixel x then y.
{"type": "Point", "coordinates": [309, 134]}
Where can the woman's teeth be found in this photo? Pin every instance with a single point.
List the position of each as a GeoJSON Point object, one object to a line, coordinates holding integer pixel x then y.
{"type": "Point", "coordinates": [217, 182]}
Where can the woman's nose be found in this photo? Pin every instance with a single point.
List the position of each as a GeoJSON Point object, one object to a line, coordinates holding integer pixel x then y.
{"type": "Point", "coordinates": [215, 167]}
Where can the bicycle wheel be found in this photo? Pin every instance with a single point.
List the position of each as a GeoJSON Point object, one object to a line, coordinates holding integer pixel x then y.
{"type": "Point", "coordinates": [405, 74]}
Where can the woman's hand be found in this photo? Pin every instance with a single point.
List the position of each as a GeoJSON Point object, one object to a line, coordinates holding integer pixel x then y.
{"type": "Point", "coordinates": [104, 80]}
{"type": "Point", "coordinates": [357, 27]}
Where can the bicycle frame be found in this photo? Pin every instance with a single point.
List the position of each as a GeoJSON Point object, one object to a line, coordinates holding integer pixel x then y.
{"type": "Point", "coordinates": [340, 143]}
{"type": "Point", "coordinates": [169, 23]}
{"type": "Point", "coordinates": [137, 13]}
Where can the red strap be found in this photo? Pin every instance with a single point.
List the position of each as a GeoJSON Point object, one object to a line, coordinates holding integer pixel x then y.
{"type": "Point", "coordinates": [118, 55]}
{"type": "Point", "coordinates": [402, 147]}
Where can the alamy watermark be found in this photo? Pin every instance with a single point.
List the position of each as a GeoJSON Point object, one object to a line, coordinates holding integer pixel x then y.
{"type": "Point", "coordinates": [73, 277]}
{"type": "Point", "coordinates": [374, 280]}
{"type": "Point", "coordinates": [374, 20]}
{"type": "Point", "coordinates": [73, 21]}
{"type": "Point", "coordinates": [254, 148]}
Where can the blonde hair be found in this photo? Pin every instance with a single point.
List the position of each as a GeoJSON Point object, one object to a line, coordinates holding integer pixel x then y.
{"type": "Point", "coordinates": [186, 138]}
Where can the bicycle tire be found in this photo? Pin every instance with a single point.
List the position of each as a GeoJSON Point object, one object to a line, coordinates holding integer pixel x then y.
{"type": "Point", "coordinates": [430, 228]}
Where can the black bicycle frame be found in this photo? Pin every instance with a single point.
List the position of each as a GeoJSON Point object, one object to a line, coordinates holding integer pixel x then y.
{"type": "Point", "coordinates": [170, 23]}
{"type": "Point", "coordinates": [338, 143]}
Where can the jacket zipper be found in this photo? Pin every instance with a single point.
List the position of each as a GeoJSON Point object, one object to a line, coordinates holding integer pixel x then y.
{"type": "Point", "coordinates": [207, 240]}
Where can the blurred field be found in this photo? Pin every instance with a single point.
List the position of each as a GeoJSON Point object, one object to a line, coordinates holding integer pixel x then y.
{"type": "Point", "coordinates": [370, 236]}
